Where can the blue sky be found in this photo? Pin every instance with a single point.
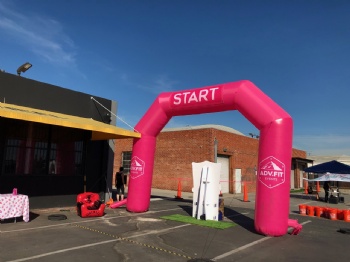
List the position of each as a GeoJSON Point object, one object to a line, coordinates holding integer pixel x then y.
{"type": "Point", "coordinates": [296, 52]}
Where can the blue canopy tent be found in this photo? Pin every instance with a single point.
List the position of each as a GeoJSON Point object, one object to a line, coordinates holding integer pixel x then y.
{"type": "Point", "coordinates": [333, 171]}
{"type": "Point", "coordinates": [329, 167]}
{"type": "Point", "coordinates": [330, 171]}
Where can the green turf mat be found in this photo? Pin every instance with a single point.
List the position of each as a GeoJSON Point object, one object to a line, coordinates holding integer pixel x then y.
{"type": "Point", "coordinates": [205, 223]}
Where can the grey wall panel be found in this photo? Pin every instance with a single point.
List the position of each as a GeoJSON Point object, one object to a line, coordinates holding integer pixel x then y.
{"type": "Point", "coordinates": [30, 93]}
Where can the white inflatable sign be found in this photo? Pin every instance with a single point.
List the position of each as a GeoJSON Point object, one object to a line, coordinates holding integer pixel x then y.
{"type": "Point", "coordinates": [206, 190]}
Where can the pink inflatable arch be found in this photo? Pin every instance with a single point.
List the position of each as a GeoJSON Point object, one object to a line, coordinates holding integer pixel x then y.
{"type": "Point", "coordinates": [275, 146]}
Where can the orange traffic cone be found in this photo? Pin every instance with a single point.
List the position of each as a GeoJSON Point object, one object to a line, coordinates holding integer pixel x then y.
{"type": "Point", "coordinates": [305, 187]}
{"type": "Point", "coordinates": [110, 202]}
{"type": "Point", "coordinates": [179, 189]}
{"type": "Point", "coordinates": [318, 186]}
{"type": "Point", "coordinates": [245, 193]}
{"type": "Point", "coordinates": [220, 194]}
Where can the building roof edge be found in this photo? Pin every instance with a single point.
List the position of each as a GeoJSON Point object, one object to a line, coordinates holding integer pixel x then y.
{"type": "Point", "coordinates": [219, 127]}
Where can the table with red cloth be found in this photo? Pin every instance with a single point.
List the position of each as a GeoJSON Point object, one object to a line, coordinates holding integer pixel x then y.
{"type": "Point", "coordinates": [13, 206]}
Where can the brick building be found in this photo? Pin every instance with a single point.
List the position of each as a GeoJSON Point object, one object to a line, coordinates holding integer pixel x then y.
{"type": "Point", "coordinates": [177, 148]}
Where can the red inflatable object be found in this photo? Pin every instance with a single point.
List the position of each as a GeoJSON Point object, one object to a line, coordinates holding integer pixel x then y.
{"type": "Point", "coordinates": [118, 203]}
{"type": "Point", "coordinates": [89, 205]}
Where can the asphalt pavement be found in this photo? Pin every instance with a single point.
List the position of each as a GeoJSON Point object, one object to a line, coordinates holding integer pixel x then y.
{"type": "Point", "coordinates": [124, 236]}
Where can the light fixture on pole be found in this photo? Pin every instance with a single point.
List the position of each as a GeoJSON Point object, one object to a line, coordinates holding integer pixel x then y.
{"type": "Point", "coordinates": [23, 68]}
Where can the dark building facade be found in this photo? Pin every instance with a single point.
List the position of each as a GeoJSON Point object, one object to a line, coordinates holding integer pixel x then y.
{"type": "Point", "coordinates": [54, 141]}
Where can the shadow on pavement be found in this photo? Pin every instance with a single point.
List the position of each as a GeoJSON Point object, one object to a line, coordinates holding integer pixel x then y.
{"type": "Point", "coordinates": [33, 216]}
{"type": "Point", "coordinates": [187, 209]}
{"type": "Point", "coordinates": [240, 219]}
{"type": "Point", "coordinates": [308, 197]}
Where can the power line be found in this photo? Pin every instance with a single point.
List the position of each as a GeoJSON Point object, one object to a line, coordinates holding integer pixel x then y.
{"type": "Point", "coordinates": [114, 114]}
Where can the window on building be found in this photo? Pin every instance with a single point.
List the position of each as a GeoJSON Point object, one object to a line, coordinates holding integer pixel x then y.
{"type": "Point", "coordinates": [39, 149]}
{"type": "Point", "coordinates": [126, 161]}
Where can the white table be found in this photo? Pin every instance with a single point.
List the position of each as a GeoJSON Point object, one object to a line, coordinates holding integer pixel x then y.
{"type": "Point", "coordinates": [12, 206]}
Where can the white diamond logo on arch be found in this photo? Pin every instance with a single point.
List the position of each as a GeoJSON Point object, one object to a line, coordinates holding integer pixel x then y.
{"type": "Point", "coordinates": [137, 167]}
{"type": "Point", "coordinates": [272, 172]}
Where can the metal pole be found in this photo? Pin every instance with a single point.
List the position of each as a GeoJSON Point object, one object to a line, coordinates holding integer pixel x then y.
{"type": "Point", "coordinates": [215, 150]}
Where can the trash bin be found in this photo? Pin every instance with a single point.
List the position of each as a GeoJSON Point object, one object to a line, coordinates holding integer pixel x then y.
{"type": "Point", "coordinates": [318, 211]}
{"type": "Point", "coordinates": [310, 210]}
{"type": "Point", "coordinates": [346, 215]}
{"type": "Point", "coordinates": [302, 209]}
{"type": "Point", "coordinates": [333, 213]}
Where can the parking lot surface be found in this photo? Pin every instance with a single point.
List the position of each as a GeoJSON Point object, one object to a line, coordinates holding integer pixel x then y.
{"type": "Point", "coordinates": [123, 236]}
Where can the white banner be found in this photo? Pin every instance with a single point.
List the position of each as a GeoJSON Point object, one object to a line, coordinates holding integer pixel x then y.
{"type": "Point", "coordinates": [206, 190]}
{"type": "Point", "coordinates": [332, 177]}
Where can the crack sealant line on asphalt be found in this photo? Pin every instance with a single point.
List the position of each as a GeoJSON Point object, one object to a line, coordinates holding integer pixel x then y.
{"type": "Point", "coordinates": [104, 242]}
{"type": "Point", "coordinates": [87, 221]}
{"type": "Point", "coordinates": [246, 246]}
{"type": "Point", "coordinates": [157, 231]}
{"type": "Point", "coordinates": [128, 240]}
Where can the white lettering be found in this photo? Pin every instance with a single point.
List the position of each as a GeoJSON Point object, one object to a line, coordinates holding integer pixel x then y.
{"type": "Point", "coordinates": [177, 99]}
{"type": "Point", "coordinates": [185, 96]}
{"type": "Point", "coordinates": [195, 96]}
{"type": "Point", "coordinates": [192, 98]}
{"type": "Point", "coordinates": [213, 92]}
{"type": "Point", "coordinates": [279, 174]}
{"type": "Point", "coordinates": [271, 178]}
{"type": "Point", "coordinates": [266, 173]}
{"type": "Point", "coordinates": [203, 95]}
{"type": "Point", "coordinates": [271, 173]}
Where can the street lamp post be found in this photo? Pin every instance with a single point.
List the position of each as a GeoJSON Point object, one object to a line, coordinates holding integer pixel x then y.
{"type": "Point", "coordinates": [23, 68]}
